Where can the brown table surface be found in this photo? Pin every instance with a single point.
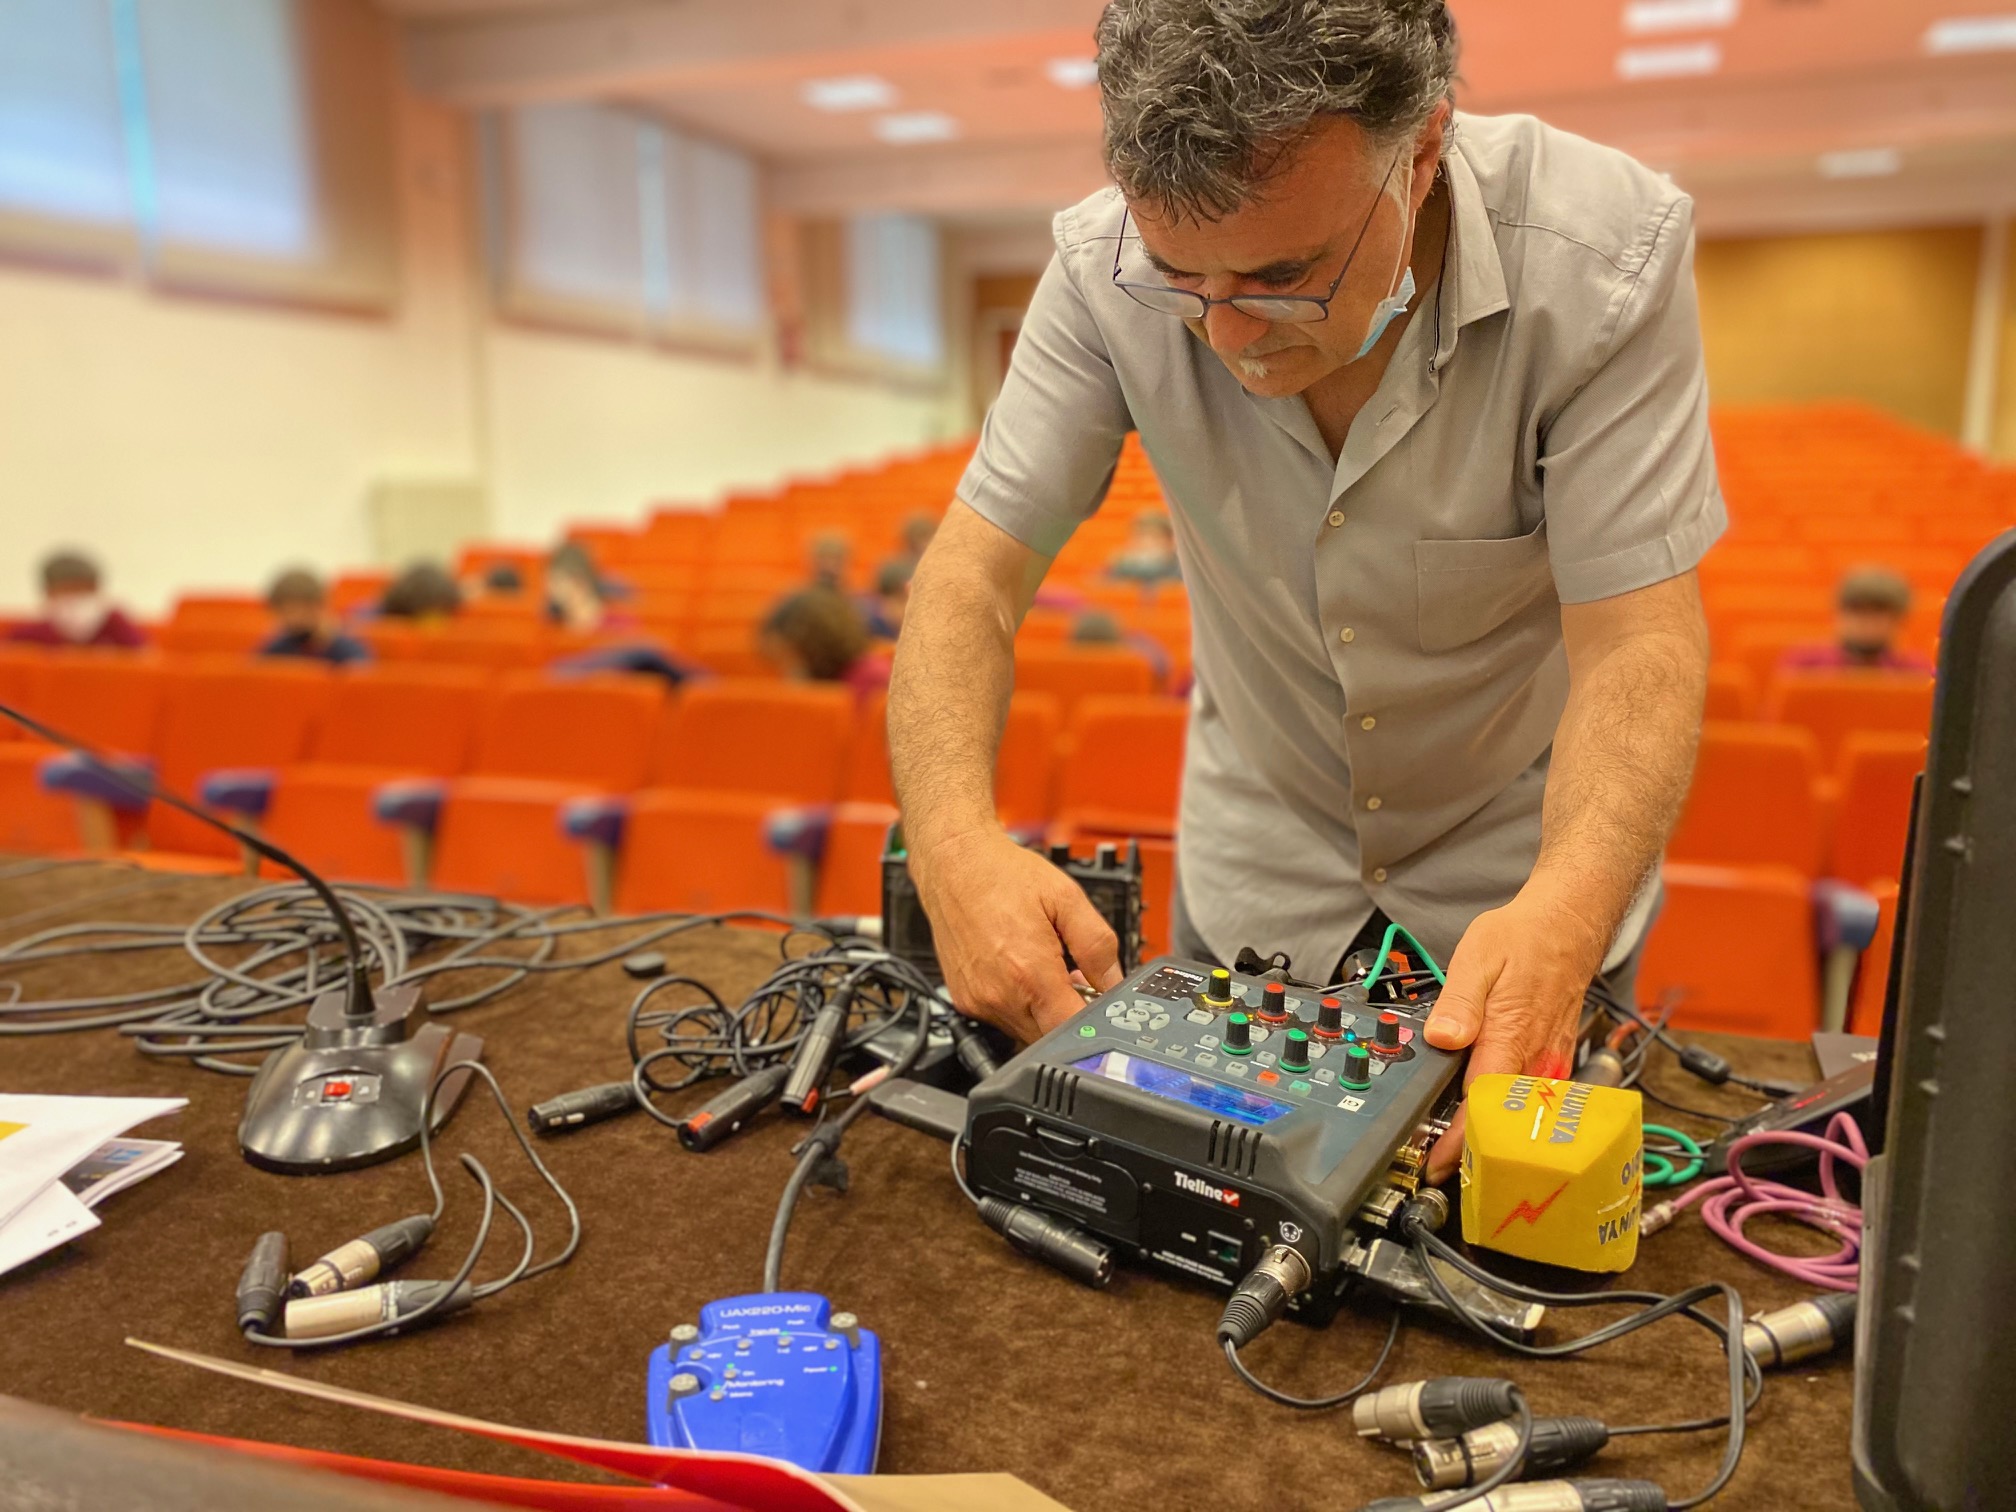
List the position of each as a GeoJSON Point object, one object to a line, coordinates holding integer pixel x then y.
{"type": "Point", "coordinates": [1117, 1399]}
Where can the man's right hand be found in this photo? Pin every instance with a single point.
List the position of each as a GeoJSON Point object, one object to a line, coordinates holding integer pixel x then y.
{"type": "Point", "coordinates": [1003, 916]}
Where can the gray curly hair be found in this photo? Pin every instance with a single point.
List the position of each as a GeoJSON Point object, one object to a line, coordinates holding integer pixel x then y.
{"type": "Point", "coordinates": [1202, 97]}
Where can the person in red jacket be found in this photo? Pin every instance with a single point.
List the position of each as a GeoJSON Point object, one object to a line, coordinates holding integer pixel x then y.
{"type": "Point", "coordinates": [1874, 602]}
{"type": "Point", "coordinates": [75, 611]}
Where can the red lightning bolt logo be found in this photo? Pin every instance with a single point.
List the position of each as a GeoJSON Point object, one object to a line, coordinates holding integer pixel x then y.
{"type": "Point", "coordinates": [1529, 1212]}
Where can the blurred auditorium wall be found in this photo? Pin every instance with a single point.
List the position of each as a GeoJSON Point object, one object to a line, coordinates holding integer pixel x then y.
{"type": "Point", "coordinates": [202, 439]}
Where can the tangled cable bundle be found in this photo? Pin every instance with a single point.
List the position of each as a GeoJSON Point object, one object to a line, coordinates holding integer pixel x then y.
{"type": "Point", "coordinates": [268, 953]}
{"type": "Point", "coordinates": [1730, 1202]}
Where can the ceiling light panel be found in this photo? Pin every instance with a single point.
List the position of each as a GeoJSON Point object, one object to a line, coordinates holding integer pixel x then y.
{"type": "Point", "coordinates": [1678, 60]}
{"type": "Point", "coordinates": [910, 126]}
{"type": "Point", "coordinates": [1861, 162]}
{"type": "Point", "coordinates": [1970, 34]}
{"type": "Point", "coordinates": [849, 92]}
{"type": "Point", "coordinates": [1644, 18]}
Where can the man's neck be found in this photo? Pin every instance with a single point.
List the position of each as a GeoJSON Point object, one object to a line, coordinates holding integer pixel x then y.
{"type": "Point", "coordinates": [1335, 399]}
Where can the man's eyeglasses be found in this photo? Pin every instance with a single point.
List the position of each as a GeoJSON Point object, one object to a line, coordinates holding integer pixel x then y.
{"type": "Point", "coordinates": [1279, 309]}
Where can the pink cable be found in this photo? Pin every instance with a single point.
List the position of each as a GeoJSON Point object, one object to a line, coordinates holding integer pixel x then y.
{"type": "Point", "coordinates": [1729, 1202]}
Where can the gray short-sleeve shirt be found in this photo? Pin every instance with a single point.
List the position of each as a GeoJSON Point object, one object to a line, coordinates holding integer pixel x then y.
{"type": "Point", "coordinates": [1378, 643]}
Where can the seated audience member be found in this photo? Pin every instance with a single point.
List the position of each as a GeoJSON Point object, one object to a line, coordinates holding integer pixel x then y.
{"type": "Point", "coordinates": [831, 552]}
{"type": "Point", "coordinates": [818, 635]}
{"type": "Point", "coordinates": [424, 591]}
{"type": "Point", "coordinates": [305, 627]}
{"type": "Point", "coordinates": [501, 580]}
{"type": "Point", "coordinates": [74, 610]}
{"type": "Point", "coordinates": [891, 597]}
{"type": "Point", "coordinates": [576, 597]}
{"type": "Point", "coordinates": [1872, 602]}
{"type": "Point", "coordinates": [917, 532]}
{"type": "Point", "coordinates": [1096, 627]}
{"type": "Point", "coordinates": [1149, 556]}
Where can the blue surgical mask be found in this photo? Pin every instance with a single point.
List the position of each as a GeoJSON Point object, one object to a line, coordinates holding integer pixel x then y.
{"type": "Point", "coordinates": [1390, 309]}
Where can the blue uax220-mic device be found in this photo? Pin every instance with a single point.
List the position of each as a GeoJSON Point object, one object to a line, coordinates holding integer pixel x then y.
{"type": "Point", "coordinates": [772, 1373]}
{"type": "Point", "coordinates": [1196, 1118]}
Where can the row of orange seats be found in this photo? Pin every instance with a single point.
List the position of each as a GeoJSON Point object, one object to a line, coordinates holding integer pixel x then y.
{"type": "Point", "coordinates": [707, 769]}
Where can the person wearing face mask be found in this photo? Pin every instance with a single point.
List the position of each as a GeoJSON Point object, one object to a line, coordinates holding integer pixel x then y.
{"type": "Point", "coordinates": [1425, 394]}
{"type": "Point", "coordinates": [75, 611]}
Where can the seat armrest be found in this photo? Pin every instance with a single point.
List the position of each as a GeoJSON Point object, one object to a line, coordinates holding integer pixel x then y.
{"type": "Point", "coordinates": [413, 804]}
{"type": "Point", "coordinates": [97, 781]}
{"type": "Point", "coordinates": [245, 791]}
{"type": "Point", "coordinates": [595, 821]}
{"type": "Point", "coordinates": [1844, 916]}
{"type": "Point", "coordinates": [799, 830]}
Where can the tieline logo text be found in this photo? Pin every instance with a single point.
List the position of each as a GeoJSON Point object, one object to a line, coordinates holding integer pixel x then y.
{"type": "Point", "coordinates": [1196, 1188]}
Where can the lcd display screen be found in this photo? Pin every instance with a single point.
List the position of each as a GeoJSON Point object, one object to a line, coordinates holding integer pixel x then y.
{"type": "Point", "coordinates": [1180, 1086]}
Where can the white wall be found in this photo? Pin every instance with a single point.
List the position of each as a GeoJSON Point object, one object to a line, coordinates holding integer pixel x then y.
{"type": "Point", "coordinates": [195, 443]}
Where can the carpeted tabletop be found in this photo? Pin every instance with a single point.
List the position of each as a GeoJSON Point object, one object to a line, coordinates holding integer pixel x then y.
{"type": "Point", "coordinates": [1103, 1400]}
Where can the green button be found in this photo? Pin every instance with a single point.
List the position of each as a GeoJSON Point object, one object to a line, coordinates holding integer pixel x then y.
{"type": "Point", "coordinates": [1086, 1031]}
{"type": "Point", "coordinates": [1298, 1086]}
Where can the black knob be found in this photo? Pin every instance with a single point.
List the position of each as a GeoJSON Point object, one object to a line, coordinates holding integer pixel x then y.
{"type": "Point", "coordinates": [1357, 1073]}
{"type": "Point", "coordinates": [1274, 1003]}
{"type": "Point", "coordinates": [1238, 1034]}
{"type": "Point", "coordinates": [1387, 1037]}
{"type": "Point", "coordinates": [1295, 1050]}
{"type": "Point", "coordinates": [1329, 1018]}
{"type": "Point", "coordinates": [1060, 853]}
{"type": "Point", "coordinates": [1109, 856]}
{"type": "Point", "coordinates": [1219, 989]}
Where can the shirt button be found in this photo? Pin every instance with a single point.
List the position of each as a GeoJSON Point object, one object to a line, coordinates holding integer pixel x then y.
{"type": "Point", "coordinates": [1347, 635]}
{"type": "Point", "coordinates": [1368, 723]}
{"type": "Point", "coordinates": [1375, 803]}
{"type": "Point", "coordinates": [1336, 517]}
{"type": "Point", "coordinates": [1379, 874]}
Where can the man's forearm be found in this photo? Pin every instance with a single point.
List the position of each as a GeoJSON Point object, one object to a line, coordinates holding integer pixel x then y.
{"type": "Point", "coordinates": [1623, 756]}
{"type": "Point", "coordinates": [949, 690]}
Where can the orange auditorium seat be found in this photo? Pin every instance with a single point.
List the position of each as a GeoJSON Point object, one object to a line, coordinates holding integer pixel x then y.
{"type": "Point", "coordinates": [382, 724]}
{"type": "Point", "coordinates": [1737, 945]}
{"type": "Point", "coordinates": [1070, 673]}
{"type": "Point", "coordinates": [728, 755]}
{"type": "Point", "coordinates": [1023, 772]}
{"type": "Point", "coordinates": [1872, 814]}
{"type": "Point", "coordinates": [229, 714]}
{"type": "Point", "coordinates": [1124, 768]}
{"type": "Point", "coordinates": [211, 623]}
{"type": "Point", "coordinates": [850, 871]}
{"type": "Point", "coordinates": [1834, 705]}
{"type": "Point", "coordinates": [543, 740]}
{"type": "Point", "coordinates": [1732, 692]}
{"type": "Point", "coordinates": [1872, 976]}
{"type": "Point", "coordinates": [112, 700]}
{"type": "Point", "coordinates": [1753, 800]}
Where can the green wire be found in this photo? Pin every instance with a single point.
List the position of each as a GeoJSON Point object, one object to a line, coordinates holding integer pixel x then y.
{"type": "Point", "coordinates": [1386, 948]}
{"type": "Point", "coordinates": [1670, 1171]}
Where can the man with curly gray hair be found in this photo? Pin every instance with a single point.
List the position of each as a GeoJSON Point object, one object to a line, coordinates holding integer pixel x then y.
{"type": "Point", "coordinates": [1425, 394]}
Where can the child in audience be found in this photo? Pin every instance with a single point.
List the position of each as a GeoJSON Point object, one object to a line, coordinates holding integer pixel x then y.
{"type": "Point", "coordinates": [1873, 603]}
{"type": "Point", "coordinates": [891, 597]}
{"type": "Point", "coordinates": [576, 598]}
{"type": "Point", "coordinates": [818, 635]}
{"type": "Point", "coordinates": [75, 612]}
{"type": "Point", "coordinates": [1149, 557]}
{"type": "Point", "coordinates": [305, 627]}
{"type": "Point", "coordinates": [424, 591]}
{"type": "Point", "coordinates": [831, 552]}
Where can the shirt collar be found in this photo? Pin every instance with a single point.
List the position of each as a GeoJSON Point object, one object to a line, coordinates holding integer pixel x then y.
{"type": "Point", "coordinates": [1474, 281]}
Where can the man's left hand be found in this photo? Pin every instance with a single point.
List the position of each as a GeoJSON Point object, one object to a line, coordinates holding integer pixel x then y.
{"type": "Point", "coordinates": [1514, 995]}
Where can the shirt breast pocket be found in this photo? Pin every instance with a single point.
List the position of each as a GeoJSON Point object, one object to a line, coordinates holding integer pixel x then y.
{"type": "Point", "coordinates": [1470, 588]}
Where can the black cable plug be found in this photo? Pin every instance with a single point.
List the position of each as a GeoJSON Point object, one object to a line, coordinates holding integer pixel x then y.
{"type": "Point", "coordinates": [360, 1260]}
{"type": "Point", "coordinates": [1557, 1444]}
{"type": "Point", "coordinates": [1542, 1496]}
{"type": "Point", "coordinates": [1706, 1064]}
{"type": "Point", "coordinates": [971, 1046]}
{"type": "Point", "coordinates": [707, 1126]}
{"type": "Point", "coordinates": [1051, 1240]}
{"type": "Point", "coordinates": [571, 1110]}
{"type": "Point", "coordinates": [262, 1286]}
{"type": "Point", "coordinates": [812, 1062]}
{"type": "Point", "coordinates": [1441, 1407]}
{"type": "Point", "coordinates": [1262, 1295]}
